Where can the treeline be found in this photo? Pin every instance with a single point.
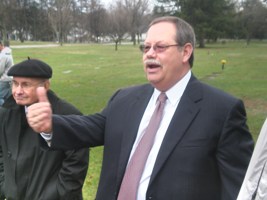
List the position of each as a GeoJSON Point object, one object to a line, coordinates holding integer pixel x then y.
{"type": "Point", "coordinates": [93, 21]}
{"type": "Point", "coordinates": [215, 19]}
{"type": "Point", "coordinates": [71, 20]}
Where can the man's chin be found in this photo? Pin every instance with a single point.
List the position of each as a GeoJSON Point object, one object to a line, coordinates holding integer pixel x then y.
{"type": "Point", "coordinates": [21, 102]}
{"type": "Point", "coordinates": [153, 78]}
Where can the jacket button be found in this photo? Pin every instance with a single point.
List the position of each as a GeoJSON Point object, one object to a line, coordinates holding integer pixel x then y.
{"type": "Point", "coordinates": [9, 154]}
{"type": "Point", "coordinates": [150, 197]}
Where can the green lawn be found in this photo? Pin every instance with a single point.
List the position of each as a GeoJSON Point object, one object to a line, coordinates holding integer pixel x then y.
{"type": "Point", "coordinates": [87, 75]}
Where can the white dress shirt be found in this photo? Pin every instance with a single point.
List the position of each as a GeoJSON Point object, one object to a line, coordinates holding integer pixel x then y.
{"type": "Point", "coordinates": [174, 95]}
{"type": "Point", "coordinates": [254, 186]}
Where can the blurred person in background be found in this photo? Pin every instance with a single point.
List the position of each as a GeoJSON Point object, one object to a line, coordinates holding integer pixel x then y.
{"type": "Point", "coordinates": [5, 64]}
{"type": "Point", "coordinates": [6, 50]}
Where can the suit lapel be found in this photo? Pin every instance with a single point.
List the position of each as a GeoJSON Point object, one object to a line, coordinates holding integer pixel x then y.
{"type": "Point", "coordinates": [186, 111]}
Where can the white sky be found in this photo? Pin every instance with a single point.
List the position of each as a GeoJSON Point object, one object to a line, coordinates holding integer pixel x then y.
{"type": "Point", "coordinates": [107, 2]}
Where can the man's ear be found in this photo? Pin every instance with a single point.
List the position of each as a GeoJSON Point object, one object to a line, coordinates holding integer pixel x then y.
{"type": "Point", "coordinates": [47, 84]}
{"type": "Point", "coordinates": [187, 52]}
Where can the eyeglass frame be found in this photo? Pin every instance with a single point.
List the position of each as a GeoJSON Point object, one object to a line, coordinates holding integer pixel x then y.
{"type": "Point", "coordinates": [157, 47]}
{"type": "Point", "coordinates": [25, 85]}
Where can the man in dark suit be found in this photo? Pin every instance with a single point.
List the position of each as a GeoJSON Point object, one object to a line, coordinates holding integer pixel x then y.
{"type": "Point", "coordinates": [202, 147]}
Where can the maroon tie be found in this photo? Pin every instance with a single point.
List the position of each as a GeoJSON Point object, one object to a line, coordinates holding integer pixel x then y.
{"type": "Point", "coordinates": [134, 170]}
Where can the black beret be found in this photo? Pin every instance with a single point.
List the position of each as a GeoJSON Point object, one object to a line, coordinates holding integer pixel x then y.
{"type": "Point", "coordinates": [31, 68]}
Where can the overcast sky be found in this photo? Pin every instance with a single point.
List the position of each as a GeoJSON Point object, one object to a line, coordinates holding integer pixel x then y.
{"type": "Point", "coordinates": [107, 2]}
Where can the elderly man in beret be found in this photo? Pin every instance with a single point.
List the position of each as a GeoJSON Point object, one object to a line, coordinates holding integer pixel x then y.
{"type": "Point", "coordinates": [28, 172]}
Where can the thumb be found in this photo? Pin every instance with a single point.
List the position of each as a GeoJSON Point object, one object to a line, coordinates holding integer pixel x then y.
{"type": "Point", "coordinates": [41, 93]}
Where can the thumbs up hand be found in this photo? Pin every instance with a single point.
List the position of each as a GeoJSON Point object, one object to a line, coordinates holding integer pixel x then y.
{"type": "Point", "coordinates": [39, 115]}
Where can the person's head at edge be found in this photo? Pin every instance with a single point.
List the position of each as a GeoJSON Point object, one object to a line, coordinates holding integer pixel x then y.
{"type": "Point", "coordinates": [27, 76]}
{"type": "Point", "coordinates": [168, 51]}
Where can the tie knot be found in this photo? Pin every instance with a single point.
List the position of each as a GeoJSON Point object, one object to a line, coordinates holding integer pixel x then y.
{"type": "Point", "coordinates": [162, 97]}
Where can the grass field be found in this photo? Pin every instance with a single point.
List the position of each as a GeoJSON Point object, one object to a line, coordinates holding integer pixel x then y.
{"type": "Point", "coordinates": [87, 75]}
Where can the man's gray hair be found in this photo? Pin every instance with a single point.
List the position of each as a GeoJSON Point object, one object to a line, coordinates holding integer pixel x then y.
{"type": "Point", "coordinates": [184, 32]}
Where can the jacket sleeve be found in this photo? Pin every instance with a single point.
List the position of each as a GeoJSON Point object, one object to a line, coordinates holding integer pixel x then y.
{"type": "Point", "coordinates": [2, 177]}
{"type": "Point", "coordinates": [72, 174]}
{"type": "Point", "coordinates": [234, 151]}
{"type": "Point", "coordinates": [75, 164]}
{"type": "Point", "coordinates": [2, 65]}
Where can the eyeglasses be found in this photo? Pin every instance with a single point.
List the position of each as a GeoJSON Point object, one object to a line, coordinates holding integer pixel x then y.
{"type": "Point", "coordinates": [157, 48]}
{"type": "Point", "coordinates": [25, 85]}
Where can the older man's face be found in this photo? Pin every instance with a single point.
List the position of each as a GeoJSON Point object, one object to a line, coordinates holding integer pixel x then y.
{"type": "Point", "coordinates": [164, 67]}
{"type": "Point", "coordinates": [24, 89]}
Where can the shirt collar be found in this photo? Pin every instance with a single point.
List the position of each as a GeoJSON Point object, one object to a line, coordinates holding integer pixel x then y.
{"type": "Point", "coordinates": [175, 93]}
{"type": "Point", "coordinates": [26, 109]}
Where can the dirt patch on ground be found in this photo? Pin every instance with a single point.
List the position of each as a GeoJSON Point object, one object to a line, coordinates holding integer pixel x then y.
{"type": "Point", "coordinates": [255, 106]}
{"type": "Point", "coordinates": [213, 75]}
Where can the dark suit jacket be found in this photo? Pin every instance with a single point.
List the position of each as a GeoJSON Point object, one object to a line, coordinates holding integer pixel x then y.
{"type": "Point", "coordinates": [204, 155]}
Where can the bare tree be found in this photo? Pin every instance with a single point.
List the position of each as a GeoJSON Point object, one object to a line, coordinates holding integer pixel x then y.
{"type": "Point", "coordinates": [118, 23]}
{"type": "Point", "coordinates": [60, 16]}
{"type": "Point", "coordinates": [15, 17]}
{"type": "Point", "coordinates": [3, 12]}
{"type": "Point", "coordinates": [65, 20]}
{"type": "Point", "coordinates": [254, 17]}
{"type": "Point", "coordinates": [136, 10]}
{"type": "Point", "coordinates": [79, 31]}
{"type": "Point", "coordinates": [97, 17]}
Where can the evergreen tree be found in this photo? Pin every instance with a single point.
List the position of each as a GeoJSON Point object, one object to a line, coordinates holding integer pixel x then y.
{"type": "Point", "coordinates": [210, 18]}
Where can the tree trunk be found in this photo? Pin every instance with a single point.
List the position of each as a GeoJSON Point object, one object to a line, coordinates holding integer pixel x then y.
{"type": "Point", "coordinates": [116, 45]}
{"type": "Point", "coordinates": [201, 42]}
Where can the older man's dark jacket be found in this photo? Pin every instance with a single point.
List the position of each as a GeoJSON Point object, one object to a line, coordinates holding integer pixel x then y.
{"type": "Point", "coordinates": [29, 172]}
